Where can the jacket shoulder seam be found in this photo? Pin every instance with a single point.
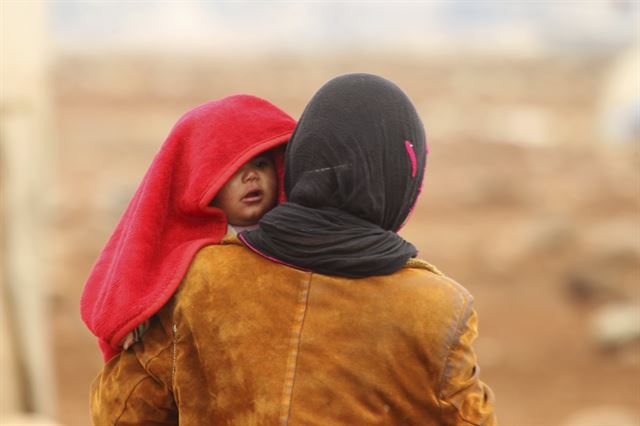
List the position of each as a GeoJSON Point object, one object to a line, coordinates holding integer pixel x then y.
{"type": "Point", "coordinates": [462, 314]}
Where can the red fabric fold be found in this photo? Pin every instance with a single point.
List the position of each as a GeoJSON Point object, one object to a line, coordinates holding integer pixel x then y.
{"type": "Point", "coordinates": [169, 218]}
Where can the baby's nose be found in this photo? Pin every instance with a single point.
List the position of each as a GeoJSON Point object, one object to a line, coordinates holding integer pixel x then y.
{"type": "Point", "coordinates": [250, 173]}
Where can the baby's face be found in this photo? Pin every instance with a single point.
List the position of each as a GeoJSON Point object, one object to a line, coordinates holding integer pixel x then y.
{"type": "Point", "coordinates": [250, 192]}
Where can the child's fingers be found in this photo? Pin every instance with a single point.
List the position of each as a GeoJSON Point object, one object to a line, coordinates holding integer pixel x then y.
{"type": "Point", "coordinates": [128, 341]}
{"type": "Point", "coordinates": [135, 335]}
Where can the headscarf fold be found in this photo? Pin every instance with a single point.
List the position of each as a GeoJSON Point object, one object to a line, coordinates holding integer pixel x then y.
{"type": "Point", "coordinates": [353, 172]}
{"type": "Point", "coordinates": [169, 217]}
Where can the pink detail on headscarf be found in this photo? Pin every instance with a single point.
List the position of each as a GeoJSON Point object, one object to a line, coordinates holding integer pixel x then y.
{"type": "Point", "coordinates": [412, 156]}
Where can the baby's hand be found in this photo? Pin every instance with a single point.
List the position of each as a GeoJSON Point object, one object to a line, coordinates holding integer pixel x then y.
{"type": "Point", "coordinates": [134, 336]}
{"type": "Point", "coordinates": [128, 341]}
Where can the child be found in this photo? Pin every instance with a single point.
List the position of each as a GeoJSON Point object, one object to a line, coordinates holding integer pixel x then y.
{"type": "Point", "coordinates": [244, 199]}
{"type": "Point", "coordinates": [212, 172]}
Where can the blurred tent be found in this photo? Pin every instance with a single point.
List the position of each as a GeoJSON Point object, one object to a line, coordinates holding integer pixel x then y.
{"type": "Point", "coordinates": [27, 392]}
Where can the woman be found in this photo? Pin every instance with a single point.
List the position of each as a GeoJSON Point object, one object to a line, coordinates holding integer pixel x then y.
{"type": "Point", "coordinates": [331, 319]}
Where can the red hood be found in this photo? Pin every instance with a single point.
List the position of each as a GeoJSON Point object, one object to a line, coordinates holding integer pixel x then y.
{"type": "Point", "coordinates": [169, 219]}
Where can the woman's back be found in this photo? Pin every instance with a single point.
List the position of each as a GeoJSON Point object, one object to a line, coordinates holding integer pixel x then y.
{"type": "Point", "coordinates": [257, 342]}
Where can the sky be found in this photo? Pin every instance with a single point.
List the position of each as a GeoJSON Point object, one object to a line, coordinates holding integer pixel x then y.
{"type": "Point", "coordinates": [509, 26]}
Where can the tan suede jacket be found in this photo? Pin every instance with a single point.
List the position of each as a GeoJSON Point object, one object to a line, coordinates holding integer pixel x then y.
{"type": "Point", "coordinates": [246, 341]}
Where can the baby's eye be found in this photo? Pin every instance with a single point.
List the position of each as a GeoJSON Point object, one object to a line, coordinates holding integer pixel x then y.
{"type": "Point", "coordinates": [262, 163]}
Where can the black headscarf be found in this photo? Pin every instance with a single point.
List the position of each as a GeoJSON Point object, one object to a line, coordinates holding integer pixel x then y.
{"type": "Point", "coordinates": [353, 171]}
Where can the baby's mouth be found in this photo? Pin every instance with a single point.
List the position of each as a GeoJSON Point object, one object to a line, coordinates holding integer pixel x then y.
{"type": "Point", "coordinates": [252, 196]}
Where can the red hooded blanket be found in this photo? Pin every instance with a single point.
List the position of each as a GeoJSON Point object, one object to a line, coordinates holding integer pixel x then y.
{"type": "Point", "coordinates": [169, 218]}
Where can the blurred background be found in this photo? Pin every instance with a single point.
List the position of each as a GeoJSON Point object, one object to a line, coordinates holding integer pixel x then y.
{"type": "Point", "coordinates": [531, 198]}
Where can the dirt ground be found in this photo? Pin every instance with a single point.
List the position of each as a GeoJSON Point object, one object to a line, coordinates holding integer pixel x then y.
{"type": "Point", "coordinates": [541, 222]}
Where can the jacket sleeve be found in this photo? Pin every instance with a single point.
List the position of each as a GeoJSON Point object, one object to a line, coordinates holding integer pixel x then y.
{"type": "Point", "coordinates": [134, 388]}
{"type": "Point", "coordinates": [125, 393]}
{"type": "Point", "coordinates": [464, 399]}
